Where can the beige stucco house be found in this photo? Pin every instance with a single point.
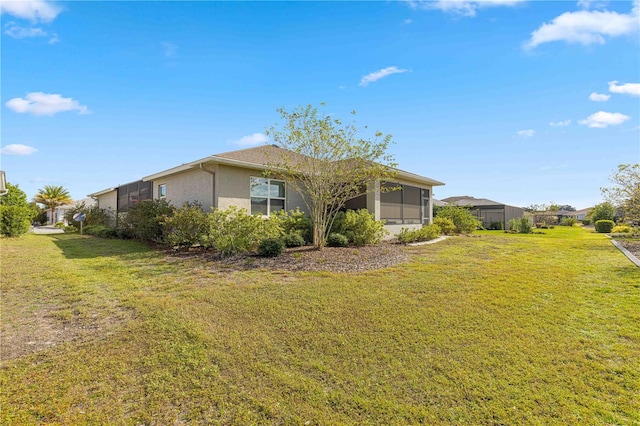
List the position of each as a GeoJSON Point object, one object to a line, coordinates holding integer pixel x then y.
{"type": "Point", "coordinates": [236, 178]}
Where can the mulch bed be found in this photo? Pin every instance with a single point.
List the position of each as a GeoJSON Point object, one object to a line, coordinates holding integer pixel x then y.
{"type": "Point", "coordinates": [331, 259]}
{"type": "Point", "coordinates": [632, 245]}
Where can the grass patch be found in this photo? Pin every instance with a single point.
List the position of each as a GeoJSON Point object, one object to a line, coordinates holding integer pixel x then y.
{"type": "Point", "coordinates": [500, 328]}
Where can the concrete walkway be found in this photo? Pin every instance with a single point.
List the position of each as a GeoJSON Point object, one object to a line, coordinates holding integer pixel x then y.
{"type": "Point", "coordinates": [47, 229]}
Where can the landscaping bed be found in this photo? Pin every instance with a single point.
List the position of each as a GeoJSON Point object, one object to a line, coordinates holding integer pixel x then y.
{"type": "Point", "coordinates": [307, 258]}
{"type": "Point", "coordinates": [631, 244]}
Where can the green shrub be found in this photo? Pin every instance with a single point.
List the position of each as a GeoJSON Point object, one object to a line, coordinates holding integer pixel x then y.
{"type": "Point", "coordinates": [235, 231]}
{"type": "Point", "coordinates": [604, 226]}
{"type": "Point", "coordinates": [359, 226]}
{"type": "Point", "coordinates": [271, 247]}
{"type": "Point", "coordinates": [293, 240]}
{"type": "Point", "coordinates": [496, 226]}
{"type": "Point", "coordinates": [60, 225]}
{"type": "Point", "coordinates": [461, 217]}
{"type": "Point", "coordinates": [93, 215]}
{"type": "Point", "coordinates": [295, 221]}
{"type": "Point", "coordinates": [586, 222]}
{"type": "Point", "coordinates": [188, 226]}
{"type": "Point", "coordinates": [70, 229]}
{"type": "Point", "coordinates": [145, 219]}
{"type": "Point", "coordinates": [621, 229]}
{"type": "Point", "coordinates": [426, 233]}
{"type": "Point", "coordinates": [568, 221]}
{"type": "Point", "coordinates": [95, 230]}
{"type": "Point", "coordinates": [15, 220]}
{"type": "Point", "coordinates": [446, 225]}
{"type": "Point", "coordinates": [521, 225]}
{"type": "Point", "coordinates": [337, 240]}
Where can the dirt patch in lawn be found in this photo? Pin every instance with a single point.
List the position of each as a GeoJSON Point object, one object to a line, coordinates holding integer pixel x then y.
{"type": "Point", "coordinates": [331, 259]}
{"type": "Point", "coordinates": [39, 327]}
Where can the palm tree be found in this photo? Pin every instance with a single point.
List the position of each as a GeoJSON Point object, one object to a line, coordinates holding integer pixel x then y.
{"type": "Point", "coordinates": [51, 197]}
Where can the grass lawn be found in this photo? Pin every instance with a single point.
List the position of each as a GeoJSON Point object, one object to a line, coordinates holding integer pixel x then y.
{"type": "Point", "coordinates": [491, 329]}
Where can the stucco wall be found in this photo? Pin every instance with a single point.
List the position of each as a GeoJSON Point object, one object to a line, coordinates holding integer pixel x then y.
{"type": "Point", "coordinates": [395, 229]}
{"type": "Point", "coordinates": [192, 185]}
{"type": "Point", "coordinates": [233, 189]}
{"type": "Point", "coordinates": [109, 202]}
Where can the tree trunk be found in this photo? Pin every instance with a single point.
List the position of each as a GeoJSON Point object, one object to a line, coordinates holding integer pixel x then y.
{"type": "Point", "coordinates": [53, 212]}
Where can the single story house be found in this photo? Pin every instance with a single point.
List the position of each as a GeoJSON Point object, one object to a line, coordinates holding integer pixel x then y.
{"type": "Point", "coordinates": [237, 178]}
{"type": "Point", "coordinates": [577, 214]}
{"type": "Point", "coordinates": [487, 211]}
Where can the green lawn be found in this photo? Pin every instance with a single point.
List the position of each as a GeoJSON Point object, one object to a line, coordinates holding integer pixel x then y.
{"type": "Point", "coordinates": [491, 329]}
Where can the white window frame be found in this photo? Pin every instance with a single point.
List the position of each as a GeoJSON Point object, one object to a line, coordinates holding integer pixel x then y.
{"type": "Point", "coordinates": [160, 195]}
{"type": "Point", "coordinates": [268, 197]}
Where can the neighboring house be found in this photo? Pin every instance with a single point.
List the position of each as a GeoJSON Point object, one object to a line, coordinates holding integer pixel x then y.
{"type": "Point", "coordinates": [581, 214]}
{"type": "Point", "coordinates": [487, 211]}
{"type": "Point", "coordinates": [236, 179]}
{"type": "Point", "coordinates": [60, 211]}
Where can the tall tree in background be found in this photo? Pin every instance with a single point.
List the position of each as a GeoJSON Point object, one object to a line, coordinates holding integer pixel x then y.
{"type": "Point", "coordinates": [626, 192]}
{"type": "Point", "coordinates": [52, 196]}
{"type": "Point", "coordinates": [327, 162]}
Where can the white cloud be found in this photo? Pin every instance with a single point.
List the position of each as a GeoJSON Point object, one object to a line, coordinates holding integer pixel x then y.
{"type": "Point", "coordinates": [560, 123]}
{"type": "Point", "coordinates": [526, 133]}
{"type": "Point", "coordinates": [407, 21]}
{"type": "Point", "coordinates": [599, 97]}
{"type": "Point", "coordinates": [16, 31]}
{"type": "Point", "coordinates": [627, 88]}
{"type": "Point", "coordinates": [377, 75]}
{"type": "Point", "coordinates": [252, 140]}
{"type": "Point", "coordinates": [603, 119]}
{"type": "Point", "coordinates": [33, 10]}
{"type": "Point", "coordinates": [586, 27]}
{"type": "Point", "coordinates": [38, 103]}
{"type": "Point", "coordinates": [18, 149]}
{"type": "Point", "coordinates": [460, 7]}
{"type": "Point", "coordinates": [169, 49]}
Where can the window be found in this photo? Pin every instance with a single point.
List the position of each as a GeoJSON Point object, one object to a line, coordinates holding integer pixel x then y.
{"type": "Point", "coordinates": [162, 191]}
{"type": "Point", "coordinates": [267, 195]}
{"type": "Point", "coordinates": [404, 205]}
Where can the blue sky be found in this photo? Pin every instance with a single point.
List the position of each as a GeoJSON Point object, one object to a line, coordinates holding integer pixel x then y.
{"type": "Point", "coordinates": [522, 102]}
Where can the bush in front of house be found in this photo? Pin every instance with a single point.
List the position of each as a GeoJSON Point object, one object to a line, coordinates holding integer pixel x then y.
{"type": "Point", "coordinates": [293, 239]}
{"type": "Point", "coordinates": [586, 222]}
{"type": "Point", "coordinates": [521, 225]}
{"type": "Point", "coordinates": [496, 226]}
{"type": "Point", "coordinates": [568, 221]}
{"type": "Point", "coordinates": [145, 219]}
{"type": "Point", "coordinates": [604, 226]}
{"type": "Point", "coordinates": [271, 247]}
{"type": "Point", "coordinates": [337, 240]}
{"type": "Point", "coordinates": [235, 231]}
{"type": "Point", "coordinates": [93, 215]}
{"type": "Point", "coordinates": [461, 217]}
{"type": "Point", "coordinates": [426, 233]}
{"type": "Point", "coordinates": [295, 221]}
{"type": "Point", "coordinates": [70, 229]}
{"type": "Point", "coordinates": [188, 226]}
{"type": "Point", "coordinates": [446, 225]}
{"type": "Point", "coordinates": [359, 226]}
{"type": "Point", "coordinates": [621, 229]}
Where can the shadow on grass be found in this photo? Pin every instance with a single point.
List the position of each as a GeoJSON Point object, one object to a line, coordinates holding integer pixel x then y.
{"type": "Point", "coordinates": [75, 246]}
